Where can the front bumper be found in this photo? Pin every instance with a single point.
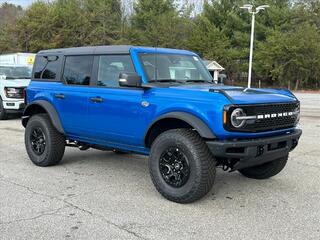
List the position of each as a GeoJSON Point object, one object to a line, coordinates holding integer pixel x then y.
{"type": "Point", "coordinates": [14, 105]}
{"type": "Point", "coordinates": [251, 152]}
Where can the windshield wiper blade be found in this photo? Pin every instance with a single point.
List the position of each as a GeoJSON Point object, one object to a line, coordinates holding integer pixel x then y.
{"type": "Point", "coordinates": [167, 80]}
{"type": "Point", "coordinates": [199, 81]}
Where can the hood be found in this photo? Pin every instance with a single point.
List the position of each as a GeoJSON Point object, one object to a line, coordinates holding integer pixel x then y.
{"type": "Point", "coordinates": [15, 82]}
{"type": "Point", "coordinates": [240, 95]}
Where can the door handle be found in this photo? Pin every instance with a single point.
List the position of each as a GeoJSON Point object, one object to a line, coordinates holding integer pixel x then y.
{"type": "Point", "coordinates": [96, 99]}
{"type": "Point", "coordinates": [59, 96]}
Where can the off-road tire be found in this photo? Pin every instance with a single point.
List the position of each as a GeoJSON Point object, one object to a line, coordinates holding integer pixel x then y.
{"type": "Point", "coordinates": [55, 141]}
{"type": "Point", "coordinates": [266, 170]}
{"type": "Point", "coordinates": [3, 114]}
{"type": "Point", "coordinates": [201, 161]}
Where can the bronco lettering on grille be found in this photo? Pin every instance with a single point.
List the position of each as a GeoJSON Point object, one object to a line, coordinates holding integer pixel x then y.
{"type": "Point", "coordinates": [275, 115]}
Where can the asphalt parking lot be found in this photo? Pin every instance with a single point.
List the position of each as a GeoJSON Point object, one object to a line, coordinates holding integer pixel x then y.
{"type": "Point", "coordinates": [101, 195]}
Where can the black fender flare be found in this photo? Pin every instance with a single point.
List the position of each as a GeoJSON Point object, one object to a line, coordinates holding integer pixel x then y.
{"type": "Point", "coordinates": [50, 110]}
{"type": "Point", "coordinates": [199, 125]}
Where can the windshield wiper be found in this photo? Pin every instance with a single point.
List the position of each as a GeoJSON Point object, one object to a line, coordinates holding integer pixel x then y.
{"type": "Point", "coordinates": [199, 81]}
{"type": "Point", "coordinates": [167, 80]}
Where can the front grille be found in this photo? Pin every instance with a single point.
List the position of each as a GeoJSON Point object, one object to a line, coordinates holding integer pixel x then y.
{"type": "Point", "coordinates": [267, 124]}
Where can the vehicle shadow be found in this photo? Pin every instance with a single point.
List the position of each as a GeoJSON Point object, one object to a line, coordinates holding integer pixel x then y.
{"type": "Point", "coordinates": [13, 116]}
{"type": "Point", "coordinates": [227, 187]}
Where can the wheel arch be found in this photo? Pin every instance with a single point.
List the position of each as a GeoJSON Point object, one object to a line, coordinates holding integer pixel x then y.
{"type": "Point", "coordinates": [42, 106]}
{"type": "Point", "coordinates": [174, 120]}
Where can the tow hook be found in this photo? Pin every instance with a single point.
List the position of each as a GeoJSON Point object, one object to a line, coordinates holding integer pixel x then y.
{"type": "Point", "coordinates": [260, 150]}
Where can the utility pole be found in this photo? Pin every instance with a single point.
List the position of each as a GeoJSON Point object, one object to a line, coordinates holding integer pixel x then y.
{"type": "Point", "coordinates": [249, 7]}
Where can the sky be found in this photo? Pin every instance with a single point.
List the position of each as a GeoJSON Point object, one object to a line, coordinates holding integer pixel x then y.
{"type": "Point", "coordinates": [23, 3]}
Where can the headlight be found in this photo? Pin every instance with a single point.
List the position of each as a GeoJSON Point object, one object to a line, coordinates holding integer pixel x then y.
{"type": "Point", "coordinates": [238, 118]}
{"type": "Point", "coordinates": [13, 92]}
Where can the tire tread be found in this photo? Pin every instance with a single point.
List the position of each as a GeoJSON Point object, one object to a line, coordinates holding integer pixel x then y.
{"type": "Point", "coordinates": [57, 147]}
{"type": "Point", "coordinates": [266, 170]}
{"type": "Point", "coordinates": [208, 166]}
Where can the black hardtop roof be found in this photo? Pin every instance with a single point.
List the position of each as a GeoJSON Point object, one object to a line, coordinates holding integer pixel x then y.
{"type": "Point", "coordinates": [116, 49]}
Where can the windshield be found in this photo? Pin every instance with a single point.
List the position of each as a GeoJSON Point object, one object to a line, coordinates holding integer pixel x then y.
{"type": "Point", "coordinates": [14, 72]}
{"type": "Point", "coordinates": [175, 67]}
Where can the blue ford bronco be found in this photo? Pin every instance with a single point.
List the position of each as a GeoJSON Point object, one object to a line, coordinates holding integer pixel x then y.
{"type": "Point", "coordinates": [157, 102]}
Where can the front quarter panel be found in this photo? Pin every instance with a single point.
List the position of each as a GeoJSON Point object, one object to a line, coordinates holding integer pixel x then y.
{"type": "Point", "coordinates": [207, 107]}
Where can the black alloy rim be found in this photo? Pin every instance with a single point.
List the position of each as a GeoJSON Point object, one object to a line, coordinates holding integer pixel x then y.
{"type": "Point", "coordinates": [38, 141]}
{"type": "Point", "coordinates": [174, 167]}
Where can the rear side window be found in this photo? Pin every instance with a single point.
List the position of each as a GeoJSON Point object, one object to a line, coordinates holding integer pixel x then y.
{"type": "Point", "coordinates": [46, 67]}
{"type": "Point", "coordinates": [77, 70]}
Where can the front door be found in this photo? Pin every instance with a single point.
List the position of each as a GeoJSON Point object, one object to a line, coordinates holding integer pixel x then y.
{"type": "Point", "coordinates": [115, 113]}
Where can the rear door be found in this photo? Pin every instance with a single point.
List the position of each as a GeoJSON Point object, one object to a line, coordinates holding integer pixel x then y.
{"type": "Point", "coordinates": [71, 97]}
{"type": "Point", "coordinates": [115, 113]}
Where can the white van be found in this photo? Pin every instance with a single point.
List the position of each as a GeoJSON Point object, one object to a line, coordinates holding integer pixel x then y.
{"type": "Point", "coordinates": [15, 74]}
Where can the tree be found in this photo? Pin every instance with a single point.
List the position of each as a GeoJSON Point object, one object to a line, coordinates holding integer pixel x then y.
{"type": "Point", "coordinates": [292, 58]}
{"type": "Point", "coordinates": [223, 31]}
{"type": "Point", "coordinates": [158, 23]}
{"type": "Point", "coordinates": [90, 22]}
{"type": "Point", "coordinates": [34, 30]}
{"type": "Point", "coordinates": [69, 23]}
{"type": "Point", "coordinates": [9, 14]}
{"type": "Point", "coordinates": [104, 21]}
{"type": "Point", "coordinates": [209, 41]}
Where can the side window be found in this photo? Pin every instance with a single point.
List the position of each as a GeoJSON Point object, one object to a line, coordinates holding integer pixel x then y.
{"type": "Point", "coordinates": [46, 67]}
{"type": "Point", "coordinates": [77, 70]}
{"type": "Point", "coordinates": [110, 66]}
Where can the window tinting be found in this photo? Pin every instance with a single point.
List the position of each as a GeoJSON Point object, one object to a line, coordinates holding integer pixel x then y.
{"type": "Point", "coordinates": [46, 67]}
{"type": "Point", "coordinates": [110, 66]}
{"type": "Point", "coordinates": [77, 70]}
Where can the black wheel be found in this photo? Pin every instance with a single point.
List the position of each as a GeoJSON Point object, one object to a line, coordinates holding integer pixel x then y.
{"type": "Point", "coordinates": [181, 166]}
{"type": "Point", "coordinates": [265, 170]}
{"type": "Point", "coordinates": [45, 145]}
{"type": "Point", "coordinates": [3, 114]}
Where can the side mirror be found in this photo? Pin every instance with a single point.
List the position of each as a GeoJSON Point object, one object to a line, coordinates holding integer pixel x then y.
{"type": "Point", "coordinates": [129, 80]}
